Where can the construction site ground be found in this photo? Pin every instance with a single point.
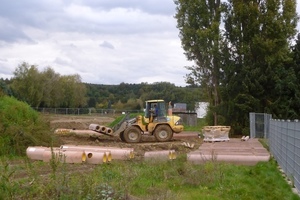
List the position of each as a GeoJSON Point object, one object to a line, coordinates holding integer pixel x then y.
{"type": "Point", "coordinates": [183, 143]}
{"type": "Point", "coordinates": [80, 124]}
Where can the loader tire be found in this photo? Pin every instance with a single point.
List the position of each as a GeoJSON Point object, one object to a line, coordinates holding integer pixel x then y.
{"type": "Point", "coordinates": [163, 133]}
{"type": "Point", "coordinates": [132, 135]}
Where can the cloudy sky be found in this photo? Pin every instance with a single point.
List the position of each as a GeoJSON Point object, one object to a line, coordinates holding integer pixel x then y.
{"type": "Point", "coordinates": [104, 41]}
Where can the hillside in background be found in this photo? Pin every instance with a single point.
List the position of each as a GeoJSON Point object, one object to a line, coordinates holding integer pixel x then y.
{"type": "Point", "coordinates": [134, 95]}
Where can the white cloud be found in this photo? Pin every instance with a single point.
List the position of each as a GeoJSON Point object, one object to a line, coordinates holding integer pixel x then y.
{"type": "Point", "coordinates": [105, 42]}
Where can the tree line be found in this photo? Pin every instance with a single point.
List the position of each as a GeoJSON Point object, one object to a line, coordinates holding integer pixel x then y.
{"type": "Point", "coordinates": [245, 57]}
{"type": "Point", "coordinates": [47, 88]}
{"type": "Point", "coordinates": [51, 90]}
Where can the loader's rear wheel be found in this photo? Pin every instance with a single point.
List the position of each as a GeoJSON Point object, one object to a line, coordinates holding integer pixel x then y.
{"type": "Point", "coordinates": [132, 135]}
{"type": "Point", "coordinates": [163, 133]}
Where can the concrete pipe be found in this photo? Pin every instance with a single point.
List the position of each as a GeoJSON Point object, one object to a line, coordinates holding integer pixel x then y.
{"type": "Point", "coordinates": [160, 155]}
{"type": "Point", "coordinates": [96, 157]}
{"type": "Point", "coordinates": [102, 129]}
{"type": "Point", "coordinates": [94, 127]}
{"type": "Point", "coordinates": [86, 149]}
{"type": "Point", "coordinates": [35, 153]}
{"type": "Point", "coordinates": [109, 130]}
{"type": "Point", "coordinates": [74, 156]}
{"type": "Point", "coordinates": [48, 154]}
{"type": "Point", "coordinates": [119, 153]}
{"type": "Point", "coordinates": [62, 131]}
{"type": "Point", "coordinates": [235, 159]}
{"type": "Point", "coordinates": [173, 154]}
{"type": "Point", "coordinates": [86, 133]}
{"type": "Point", "coordinates": [115, 153]}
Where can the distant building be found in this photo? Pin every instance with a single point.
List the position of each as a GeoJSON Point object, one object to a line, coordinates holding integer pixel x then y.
{"type": "Point", "coordinates": [201, 109]}
{"type": "Point", "coordinates": [179, 107]}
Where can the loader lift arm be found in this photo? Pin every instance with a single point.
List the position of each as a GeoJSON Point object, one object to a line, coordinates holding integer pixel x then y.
{"type": "Point", "coordinates": [123, 124]}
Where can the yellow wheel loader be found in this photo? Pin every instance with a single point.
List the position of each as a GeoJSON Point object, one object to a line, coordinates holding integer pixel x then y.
{"type": "Point", "coordinates": [155, 122]}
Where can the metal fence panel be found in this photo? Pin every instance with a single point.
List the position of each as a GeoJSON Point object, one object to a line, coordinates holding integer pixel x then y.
{"type": "Point", "coordinates": [259, 125]}
{"type": "Point", "coordinates": [284, 142]}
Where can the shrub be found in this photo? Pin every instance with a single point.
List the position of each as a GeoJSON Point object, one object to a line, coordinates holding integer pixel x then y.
{"type": "Point", "coordinates": [20, 127]}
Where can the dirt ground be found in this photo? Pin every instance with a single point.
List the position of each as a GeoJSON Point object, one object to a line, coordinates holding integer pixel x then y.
{"type": "Point", "coordinates": [80, 123]}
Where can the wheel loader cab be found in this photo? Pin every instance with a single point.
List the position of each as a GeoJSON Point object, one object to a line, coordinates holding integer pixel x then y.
{"type": "Point", "coordinates": [155, 111]}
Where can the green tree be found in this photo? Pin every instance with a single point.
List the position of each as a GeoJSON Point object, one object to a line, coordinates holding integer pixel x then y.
{"type": "Point", "coordinates": [28, 84]}
{"type": "Point", "coordinates": [258, 35]}
{"type": "Point", "coordinates": [52, 92]}
{"type": "Point", "coordinates": [199, 22]}
{"type": "Point", "coordinates": [74, 91]}
{"type": "Point", "coordinates": [47, 88]}
{"type": "Point", "coordinates": [244, 67]}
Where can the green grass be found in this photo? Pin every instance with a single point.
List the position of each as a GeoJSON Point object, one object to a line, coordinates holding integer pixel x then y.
{"type": "Point", "coordinates": [177, 179]}
{"type": "Point", "coordinates": [200, 124]}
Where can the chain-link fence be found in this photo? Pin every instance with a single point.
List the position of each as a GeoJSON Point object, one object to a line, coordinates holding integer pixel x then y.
{"type": "Point", "coordinates": [283, 137]}
{"type": "Point", "coordinates": [83, 111]}
{"type": "Point", "coordinates": [189, 119]}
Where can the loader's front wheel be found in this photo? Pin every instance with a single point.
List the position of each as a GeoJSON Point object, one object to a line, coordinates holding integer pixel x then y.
{"type": "Point", "coordinates": [132, 135]}
{"type": "Point", "coordinates": [163, 133]}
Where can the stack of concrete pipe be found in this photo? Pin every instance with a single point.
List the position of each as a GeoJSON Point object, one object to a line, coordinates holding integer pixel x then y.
{"type": "Point", "coordinates": [100, 129]}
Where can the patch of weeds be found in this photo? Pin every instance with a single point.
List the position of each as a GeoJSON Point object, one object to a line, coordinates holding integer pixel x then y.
{"type": "Point", "coordinates": [8, 186]}
{"type": "Point", "coordinates": [104, 192]}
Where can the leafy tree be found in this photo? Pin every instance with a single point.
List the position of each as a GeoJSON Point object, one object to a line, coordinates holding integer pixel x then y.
{"type": "Point", "coordinates": [52, 92]}
{"type": "Point", "coordinates": [199, 22]}
{"type": "Point", "coordinates": [74, 91]}
{"type": "Point", "coordinates": [28, 84]}
{"type": "Point", "coordinates": [258, 35]}
{"type": "Point", "coordinates": [47, 88]}
{"type": "Point", "coordinates": [244, 67]}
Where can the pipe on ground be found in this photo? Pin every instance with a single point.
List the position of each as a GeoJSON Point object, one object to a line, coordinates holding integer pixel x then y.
{"type": "Point", "coordinates": [160, 155]}
{"type": "Point", "coordinates": [96, 157]}
{"type": "Point", "coordinates": [62, 131]}
{"type": "Point", "coordinates": [106, 153]}
{"type": "Point", "coordinates": [51, 154]}
{"type": "Point", "coordinates": [198, 158]}
{"type": "Point", "coordinates": [36, 153]}
{"type": "Point", "coordinates": [73, 156]}
{"type": "Point", "coordinates": [115, 153]}
{"type": "Point", "coordinates": [86, 133]}
{"type": "Point", "coordinates": [76, 156]}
